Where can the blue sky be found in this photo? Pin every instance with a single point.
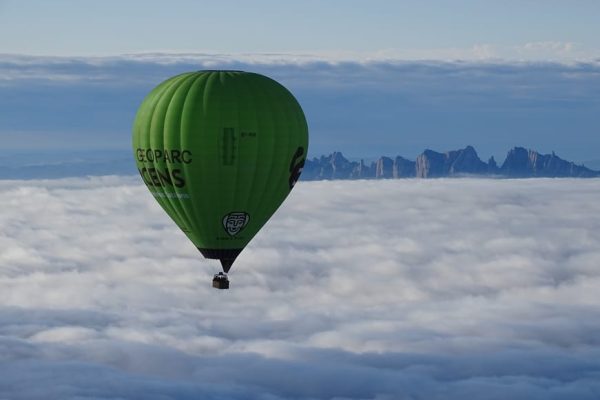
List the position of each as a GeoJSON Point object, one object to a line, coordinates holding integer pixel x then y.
{"type": "Point", "coordinates": [364, 109]}
{"type": "Point", "coordinates": [432, 29]}
{"type": "Point", "coordinates": [374, 77]}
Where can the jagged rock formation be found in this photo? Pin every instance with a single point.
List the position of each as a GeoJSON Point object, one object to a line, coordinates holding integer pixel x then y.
{"type": "Point", "coordinates": [492, 166]}
{"type": "Point", "coordinates": [403, 168]}
{"type": "Point", "coordinates": [519, 163]}
{"type": "Point", "coordinates": [383, 168]}
{"type": "Point", "coordinates": [361, 171]}
{"type": "Point", "coordinates": [522, 163]}
{"type": "Point", "coordinates": [334, 166]}
{"type": "Point", "coordinates": [431, 164]}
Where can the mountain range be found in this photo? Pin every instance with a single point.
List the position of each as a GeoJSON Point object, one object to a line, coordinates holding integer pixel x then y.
{"type": "Point", "coordinates": [519, 163]}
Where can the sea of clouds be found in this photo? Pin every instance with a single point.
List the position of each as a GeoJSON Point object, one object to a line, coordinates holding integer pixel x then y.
{"type": "Point", "coordinates": [399, 289]}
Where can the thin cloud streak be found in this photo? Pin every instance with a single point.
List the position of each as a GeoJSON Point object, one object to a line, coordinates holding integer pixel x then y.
{"type": "Point", "coordinates": [364, 289]}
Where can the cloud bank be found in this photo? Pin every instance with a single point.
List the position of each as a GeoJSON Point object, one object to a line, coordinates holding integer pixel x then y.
{"type": "Point", "coordinates": [437, 289]}
{"type": "Point", "coordinates": [363, 108]}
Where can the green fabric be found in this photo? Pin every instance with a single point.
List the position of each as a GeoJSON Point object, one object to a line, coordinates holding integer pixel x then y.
{"type": "Point", "coordinates": [220, 151]}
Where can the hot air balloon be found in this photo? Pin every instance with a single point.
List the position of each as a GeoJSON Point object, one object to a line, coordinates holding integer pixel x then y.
{"type": "Point", "coordinates": [220, 151]}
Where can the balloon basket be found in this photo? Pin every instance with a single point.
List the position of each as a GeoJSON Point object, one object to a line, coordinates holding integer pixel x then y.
{"type": "Point", "coordinates": [220, 281]}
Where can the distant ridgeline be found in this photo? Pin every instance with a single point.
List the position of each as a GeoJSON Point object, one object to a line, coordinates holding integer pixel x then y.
{"type": "Point", "coordinates": [519, 163]}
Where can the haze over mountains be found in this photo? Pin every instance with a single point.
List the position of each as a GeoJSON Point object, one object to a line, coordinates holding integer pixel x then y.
{"type": "Point", "coordinates": [519, 163]}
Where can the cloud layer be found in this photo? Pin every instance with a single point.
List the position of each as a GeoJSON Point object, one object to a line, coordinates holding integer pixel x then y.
{"type": "Point", "coordinates": [405, 289]}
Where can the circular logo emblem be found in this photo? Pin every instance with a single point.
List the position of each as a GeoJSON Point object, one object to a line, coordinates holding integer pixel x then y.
{"type": "Point", "coordinates": [234, 222]}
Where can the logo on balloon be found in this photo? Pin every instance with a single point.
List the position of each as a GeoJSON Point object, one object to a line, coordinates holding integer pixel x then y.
{"type": "Point", "coordinates": [296, 166]}
{"type": "Point", "coordinates": [234, 222]}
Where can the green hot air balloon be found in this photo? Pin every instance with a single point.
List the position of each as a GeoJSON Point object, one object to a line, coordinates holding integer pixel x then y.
{"type": "Point", "coordinates": [220, 151]}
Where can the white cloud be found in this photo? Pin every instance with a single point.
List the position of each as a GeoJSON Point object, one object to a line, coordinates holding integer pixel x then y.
{"type": "Point", "coordinates": [17, 67]}
{"type": "Point", "coordinates": [552, 50]}
{"type": "Point", "coordinates": [362, 289]}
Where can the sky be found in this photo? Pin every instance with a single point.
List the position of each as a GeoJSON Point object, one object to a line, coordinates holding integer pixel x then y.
{"type": "Point", "coordinates": [517, 29]}
{"type": "Point", "coordinates": [374, 78]}
{"type": "Point", "coordinates": [393, 289]}
{"type": "Point", "coordinates": [363, 109]}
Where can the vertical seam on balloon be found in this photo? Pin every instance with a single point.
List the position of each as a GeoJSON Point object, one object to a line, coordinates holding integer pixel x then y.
{"type": "Point", "coordinates": [223, 108]}
{"type": "Point", "coordinates": [284, 170]}
{"type": "Point", "coordinates": [196, 222]}
{"type": "Point", "coordinates": [210, 82]}
{"type": "Point", "coordinates": [258, 138]}
{"type": "Point", "coordinates": [178, 208]}
{"type": "Point", "coordinates": [171, 88]}
{"type": "Point", "coordinates": [269, 166]}
{"type": "Point", "coordinates": [291, 123]}
{"type": "Point", "coordinates": [149, 134]}
{"type": "Point", "coordinates": [199, 80]}
{"type": "Point", "coordinates": [236, 101]}
{"type": "Point", "coordinates": [278, 174]}
{"type": "Point", "coordinates": [202, 172]}
{"type": "Point", "coordinates": [254, 120]}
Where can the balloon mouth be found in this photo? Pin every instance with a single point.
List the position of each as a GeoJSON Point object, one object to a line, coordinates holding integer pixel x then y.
{"type": "Point", "coordinates": [226, 256]}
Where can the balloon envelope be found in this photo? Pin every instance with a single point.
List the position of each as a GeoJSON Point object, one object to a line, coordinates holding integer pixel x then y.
{"type": "Point", "coordinates": [220, 151]}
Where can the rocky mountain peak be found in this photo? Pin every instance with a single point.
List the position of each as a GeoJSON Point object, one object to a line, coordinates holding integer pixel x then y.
{"type": "Point", "coordinates": [519, 163]}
